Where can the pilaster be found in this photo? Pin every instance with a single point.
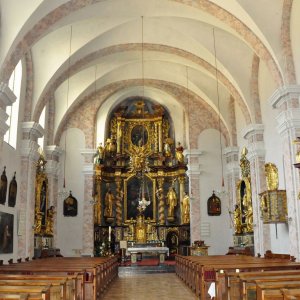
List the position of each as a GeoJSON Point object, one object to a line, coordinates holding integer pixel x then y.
{"type": "Point", "coordinates": [193, 173]}
{"type": "Point", "coordinates": [29, 157]}
{"type": "Point", "coordinates": [52, 169]}
{"type": "Point", "coordinates": [256, 155]}
{"type": "Point", "coordinates": [88, 209]}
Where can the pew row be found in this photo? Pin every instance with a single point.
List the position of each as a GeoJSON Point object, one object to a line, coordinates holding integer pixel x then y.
{"type": "Point", "coordinates": [199, 272]}
{"type": "Point", "coordinates": [91, 276]}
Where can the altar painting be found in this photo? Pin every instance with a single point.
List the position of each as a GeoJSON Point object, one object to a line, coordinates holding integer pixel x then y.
{"type": "Point", "coordinates": [6, 232]}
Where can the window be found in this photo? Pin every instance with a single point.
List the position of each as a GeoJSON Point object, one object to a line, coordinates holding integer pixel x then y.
{"type": "Point", "coordinates": [42, 123]}
{"type": "Point", "coordinates": [13, 111]}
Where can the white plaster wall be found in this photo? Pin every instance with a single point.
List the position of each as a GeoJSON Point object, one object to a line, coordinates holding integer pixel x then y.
{"type": "Point", "coordinates": [12, 164]}
{"type": "Point", "coordinates": [69, 229]}
{"type": "Point", "coordinates": [274, 154]}
{"type": "Point", "coordinates": [220, 236]}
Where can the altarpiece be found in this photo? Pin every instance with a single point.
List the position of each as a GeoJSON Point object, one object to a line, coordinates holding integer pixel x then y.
{"type": "Point", "coordinates": [140, 181]}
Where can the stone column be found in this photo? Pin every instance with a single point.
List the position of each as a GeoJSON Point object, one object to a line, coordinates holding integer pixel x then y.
{"type": "Point", "coordinates": [193, 173]}
{"type": "Point", "coordinates": [289, 129]}
{"type": "Point", "coordinates": [52, 169]}
{"type": "Point", "coordinates": [7, 98]}
{"type": "Point", "coordinates": [232, 174]}
{"type": "Point", "coordinates": [26, 205]}
{"type": "Point", "coordinates": [256, 156]}
{"type": "Point", "coordinates": [88, 208]}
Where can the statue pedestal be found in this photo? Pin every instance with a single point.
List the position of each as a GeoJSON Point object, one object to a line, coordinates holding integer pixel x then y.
{"type": "Point", "coordinates": [171, 219]}
{"type": "Point", "coordinates": [109, 220]}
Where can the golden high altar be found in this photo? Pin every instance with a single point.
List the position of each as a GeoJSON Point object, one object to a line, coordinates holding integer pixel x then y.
{"type": "Point", "coordinates": [140, 182]}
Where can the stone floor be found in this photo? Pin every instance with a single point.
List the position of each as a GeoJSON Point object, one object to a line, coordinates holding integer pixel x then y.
{"type": "Point", "coordinates": [151, 287]}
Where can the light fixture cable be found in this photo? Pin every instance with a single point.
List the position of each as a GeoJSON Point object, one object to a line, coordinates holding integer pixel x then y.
{"type": "Point", "coordinates": [219, 111]}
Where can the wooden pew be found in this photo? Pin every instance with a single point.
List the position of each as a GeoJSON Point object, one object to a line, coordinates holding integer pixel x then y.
{"type": "Point", "coordinates": [13, 296]}
{"type": "Point", "coordinates": [199, 272]}
{"type": "Point", "coordinates": [273, 290]}
{"type": "Point", "coordinates": [34, 292]}
{"type": "Point", "coordinates": [237, 282]}
{"type": "Point", "coordinates": [293, 294]}
{"type": "Point", "coordinates": [57, 288]}
{"type": "Point", "coordinates": [96, 273]}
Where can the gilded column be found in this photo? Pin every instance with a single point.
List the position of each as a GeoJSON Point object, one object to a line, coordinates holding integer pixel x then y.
{"type": "Point", "coordinates": [29, 157]}
{"type": "Point", "coordinates": [161, 203]}
{"type": "Point", "coordinates": [288, 120]}
{"type": "Point", "coordinates": [119, 198]}
{"type": "Point", "coordinates": [88, 207]}
{"type": "Point", "coordinates": [119, 136]}
{"type": "Point", "coordinates": [160, 142]}
{"type": "Point", "coordinates": [256, 156]}
{"type": "Point", "coordinates": [97, 196]}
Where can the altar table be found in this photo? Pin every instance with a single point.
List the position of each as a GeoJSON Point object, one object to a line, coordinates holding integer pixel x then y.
{"type": "Point", "coordinates": [159, 250]}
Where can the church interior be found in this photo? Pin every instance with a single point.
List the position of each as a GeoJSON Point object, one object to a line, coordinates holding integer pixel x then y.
{"type": "Point", "coordinates": [136, 129]}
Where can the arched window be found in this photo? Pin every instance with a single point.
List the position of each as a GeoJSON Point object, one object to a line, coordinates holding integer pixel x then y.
{"type": "Point", "coordinates": [13, 111]}
{"type": "Point", "coordinates": [42, 123]}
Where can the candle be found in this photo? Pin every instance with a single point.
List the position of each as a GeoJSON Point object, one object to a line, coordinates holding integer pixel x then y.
{"type": "Point", "coordinates": [109, 233]}
{"type": "Point", "coordinates": [237, 270]}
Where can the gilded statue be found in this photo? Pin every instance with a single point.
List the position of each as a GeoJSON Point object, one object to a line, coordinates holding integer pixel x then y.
{"type": "Point", "coordinates": [185, 213]}
{"type": "Point", "coordinates": [167, 149]}
{"type": "Point", "coordinates": [109, 201]}
{"type": "Point", "coordinates": [237, 220]}
{"type": "Point", "coordinates": [38, 222]}
{"type": "Point", "coordinates": [110, 146]}
{"type": "Point", "coordinates": [271, 173]}
{"type": "Point", "coordinates": [244, 163]}
{"type": "Point", "coordinates": [99, 156]}
{"type": "Point", "coordinates": [171, 202]}
{"type": "Point", "coordinates": [249, 218]}
{"type": "Point", "coordinates": [50, 221]}
{"type": "Point", "coordinates": [179, 153]}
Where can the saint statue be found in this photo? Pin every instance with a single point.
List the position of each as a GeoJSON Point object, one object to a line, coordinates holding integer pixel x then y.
{"type": "Point", "coordinates": [185, 213]}
{"type": "Point", "coordinates": [49, 221]}
{"type": "Point", "coordinates": [167, 149]}
{"type": "Point", "coordinates": [99, 156]}
{"type": "Point", "coordinates": [171, 202]}
{"type": "Point", "coordinates": [38, 222]}
{"type": "Point", "coordinates": [109, 201]}
{"type": "Point", "coordinates": [271, 173]}
{"type": "Point", "coordinates": [237, 220]}
{"type": "Point", "coordinates": [179, 153]}
{"type": "Point", "coordinates": [249, 218]}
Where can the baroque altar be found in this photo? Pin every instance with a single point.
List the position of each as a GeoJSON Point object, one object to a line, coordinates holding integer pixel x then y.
{"type": "Point", "coordinates": [140, 166]}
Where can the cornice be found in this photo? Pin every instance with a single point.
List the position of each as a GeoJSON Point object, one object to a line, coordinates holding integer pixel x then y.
{"type": "Point", "coordinates": [7, 97]}
{"type": "Point", "coordinates": [33, 128]}
{"type": "Point", "coordinates": [252, 130]}
{"type": "Point", "coordinates": [288, 119]}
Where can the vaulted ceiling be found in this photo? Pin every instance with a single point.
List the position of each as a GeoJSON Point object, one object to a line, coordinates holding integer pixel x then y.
{"type": "Point", "coordinates": [79, 49]}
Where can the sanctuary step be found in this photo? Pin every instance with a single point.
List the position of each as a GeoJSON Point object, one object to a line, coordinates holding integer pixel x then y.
{"type": "Point", "coordinates": [124, 271]}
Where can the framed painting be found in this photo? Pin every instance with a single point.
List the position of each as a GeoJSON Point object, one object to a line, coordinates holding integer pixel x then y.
{"type": "Point", "coordinates": [6, 233]}
{"type": "Point", "coordinates": [12, 192]}
{"type": "Point", "coordinates": [3, 187]}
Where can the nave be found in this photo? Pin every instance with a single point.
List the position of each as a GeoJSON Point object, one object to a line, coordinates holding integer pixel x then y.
{"type": "Point", "coordinates": [151, 286]}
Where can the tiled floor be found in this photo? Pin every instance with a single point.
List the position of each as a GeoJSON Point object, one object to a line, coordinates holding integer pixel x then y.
{"type": "Point", "coordinates": [150, 287]}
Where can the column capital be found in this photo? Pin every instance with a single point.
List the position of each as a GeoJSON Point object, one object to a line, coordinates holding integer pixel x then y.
{"type": "Point", "coordinates": [287, 120]}
{"type": "Point", "coordinates": [53, 152]}
{"type": "Point", "coordinates": [253, 130]}
{"type": "Point", "coordinates": [256, 149]}
{"type": "Point", "coordinates": [88, 154]}
{"type": "Point", "coordinates": [29, 149]}
{"type": "Point", "coordinates": [32, 130]}
{"type": "Point", "coordinates": [7, 97]}
{"type": "Point", "coordinates": [283, 94]}
{"type": "Point", "coordinates": [52, 167]}
{"type": "Point", "coordinates": [192, 153]}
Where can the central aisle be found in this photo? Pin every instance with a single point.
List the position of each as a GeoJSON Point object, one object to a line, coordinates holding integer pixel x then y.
{"type": "Point", "coordinates": [151, 287]}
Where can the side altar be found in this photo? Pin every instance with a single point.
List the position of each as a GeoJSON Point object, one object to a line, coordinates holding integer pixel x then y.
{"type": "Point", "coordinates": [140, 182]}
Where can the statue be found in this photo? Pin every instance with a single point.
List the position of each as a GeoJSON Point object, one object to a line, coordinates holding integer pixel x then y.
{"type": "Point", "coordinates": [132, 229]}
{"type": "Point", "coordinates": [99, 156]}
{"type": "Point", "coordinates": [249, 218]}
{"type": "Point", "coordinates": [237, 220]}
{"type": "Point", "coordinates": [167, 149]}
{"type": "Point", "coordinates": [179, 153]}
{"type": "Point", "coordinates": [172, 202]}
{"type": "Point", "coordinates": [110, 147]}
{"type": "Point", "coordinates": [271, 173]}
{"type": "Point", "coordinates": [109, 201]}
{"type": "Point", "coordinates": [244, 163]}
{"type": "Point", "coordinates": [38, 222]}
{"type": "Point", "coordinates": [185, 213]}
{"type": "Point", "coordinates": [49, 221]}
